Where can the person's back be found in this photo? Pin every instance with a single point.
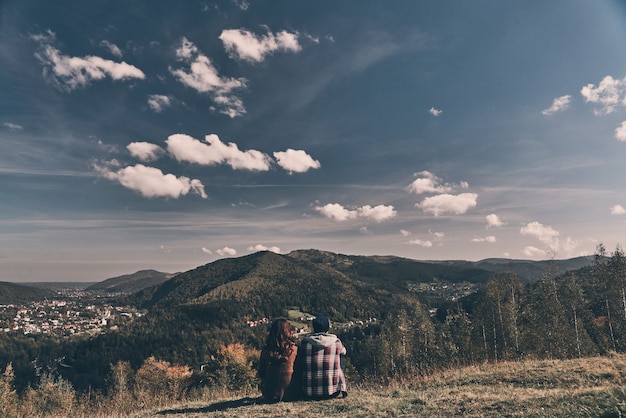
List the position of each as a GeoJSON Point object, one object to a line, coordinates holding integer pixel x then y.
{"type": "Point", "coordinates": [277, 362]}
{"type": "Point", "coordinates": [318, 364]}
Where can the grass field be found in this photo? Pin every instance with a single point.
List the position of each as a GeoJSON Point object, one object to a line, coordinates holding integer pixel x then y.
{"type": "Point", "coordinates": [591, 387]}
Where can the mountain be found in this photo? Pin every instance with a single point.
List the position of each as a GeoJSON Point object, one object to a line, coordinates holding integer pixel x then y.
{"type": "Point", "coordinates": [19, 293]}
{"type": "Point", "coordinates": [265, 283]}
{"type": "Point", "coordinates": [527, 270]}
{"type": "Point", "coordinates": [131, 283]}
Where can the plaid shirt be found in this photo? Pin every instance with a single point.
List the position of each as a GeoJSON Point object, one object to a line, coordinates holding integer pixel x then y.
{"type": "Point", "coordinates": [318, 366]}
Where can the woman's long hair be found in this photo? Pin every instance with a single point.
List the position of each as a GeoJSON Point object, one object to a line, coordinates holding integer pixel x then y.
{"type": "Point", "coordinates": [279, 343]}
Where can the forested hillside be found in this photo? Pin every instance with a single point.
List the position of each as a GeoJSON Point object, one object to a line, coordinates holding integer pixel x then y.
{"type": "Point", "coordinates": [201, 316]}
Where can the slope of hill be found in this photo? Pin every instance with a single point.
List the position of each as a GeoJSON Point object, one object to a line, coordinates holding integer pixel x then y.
{"type": "Point", "coordinates": [265, 283]}
{"type": "Point", "coordinates": [320, 281]}
{"type": "Point", "coordinates": [131, 283]}
{"type": "Point", "coordinates": [19, 293]}
{"type": "Point", "coordinates": [589, 387]}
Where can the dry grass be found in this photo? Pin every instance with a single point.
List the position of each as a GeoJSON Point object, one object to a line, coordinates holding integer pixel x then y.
{"type": "Point", "coordinates": [592, 387]}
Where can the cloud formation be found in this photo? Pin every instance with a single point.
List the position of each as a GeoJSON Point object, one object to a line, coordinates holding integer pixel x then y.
{"type": "Point", "coordinates": [435, 112]}
{"type": "Point", "coordinates": [159, 102]}
{"type": "Point", "coordinates": [339, 213]}
{"type": "Point", "coordinates": [203, 77]}
{"type": "Point", "coordinates": [226, 251]}
{"type": "Point", "coordinates": [549, 237]}
{"type": "Point", "coordinates": [609, 94]}
{"type": "Point", "coordinates": [296, 161]}
{"type": "Point", "coordinates": [421, 243]}
{"type": "Point", "coordinates": [558, 104]}
{"type": "Point", "coordinates": [12, 126]}
{"type": "Point", "coordinates": [448, 204]}
{"type": "Point", "coordinates": [244, 45]}
{"type": "Point", "coordinates": [489, 239]}
{"type": "Point", "coordinates": [214, 151]}
{"type": "Point", "coordinates": [618, 210]}
{"type": "Point", "coordinates": [545, 234]}
{"type": "Point", "coordinates": [493, 221]}
{"type": "Point", "coordinates": [70, 73]}
{"type": "Point", "coordinates": [112, 48]}
{"type": "Point", "coordinates": [620, 132]}
{"type": "Point", "coordinates": [260, 247]}
{"type": "Point", "coordinates": [427, 182]}
{"type": "Point", "coordinates": [145, 151]}
{"type": "Point", "coordinates": [151, 182]}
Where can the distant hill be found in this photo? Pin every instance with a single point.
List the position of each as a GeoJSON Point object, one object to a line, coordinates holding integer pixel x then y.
{"type": "Point", "coordinates": [527, 270]}
{"type": "Point", "coordinates": [19, 293]}
{"type": "Point", "coordinates": [264, 284]}
{"type": "Point", "coordinates": [349, 287]}
{"type": "Point", "coordinates": [131, 283]}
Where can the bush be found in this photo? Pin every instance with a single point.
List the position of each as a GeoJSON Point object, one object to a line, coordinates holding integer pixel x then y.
{"type": "Point", "coordinates": [8, 396]}
{"type": "Point", "coordinates": [53, 396]}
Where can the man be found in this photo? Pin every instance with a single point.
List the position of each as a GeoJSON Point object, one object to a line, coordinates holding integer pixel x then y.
{"type": "Point", "coordinates": [318, 364]}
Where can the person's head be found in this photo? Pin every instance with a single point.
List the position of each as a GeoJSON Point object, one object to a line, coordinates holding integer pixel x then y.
{"type": "Point", "coordinates": [321, 324]}
{"type": "Point", "coordinates": [279, 339]}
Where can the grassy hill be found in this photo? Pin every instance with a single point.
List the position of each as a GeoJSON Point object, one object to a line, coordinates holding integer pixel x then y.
{"type": "Point", "coordinates": [588, 387]}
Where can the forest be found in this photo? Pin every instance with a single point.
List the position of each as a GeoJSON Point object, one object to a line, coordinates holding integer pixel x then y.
{"type": "Point", "coordinates": [558, 316]}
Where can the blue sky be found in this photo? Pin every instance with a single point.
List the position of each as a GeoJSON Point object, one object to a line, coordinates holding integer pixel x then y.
{"type": "Point", "coordinates": [142, 135]}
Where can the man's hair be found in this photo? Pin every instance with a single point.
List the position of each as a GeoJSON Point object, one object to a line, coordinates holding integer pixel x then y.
{"type": "Point", "coordinates": [321, 324]}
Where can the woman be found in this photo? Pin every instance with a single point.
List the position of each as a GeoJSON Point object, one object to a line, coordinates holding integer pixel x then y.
{"type": "Point", "coordinates": [277, 359]}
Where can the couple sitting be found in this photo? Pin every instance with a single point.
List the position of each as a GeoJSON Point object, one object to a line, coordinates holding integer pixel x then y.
{"type": "Point", "coordinates": [311, 370]}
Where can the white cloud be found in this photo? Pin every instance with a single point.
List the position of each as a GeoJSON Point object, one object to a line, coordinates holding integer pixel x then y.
{"type": "Point", "coordinates": [297, 161]}
{"type": "Point", "coordinates": [405, 233]}
{"type": "Point", "coordinates": [206, 250]}
{"type": "Point", "coordinates": [112, 48]}
{"type": "Point", "coordinates": [493, 221]}
{"type": "Point", "coordinates": [421, 243]}
{"type": "Point", "coordinates": [438, 235]}
{"type": "Point", "coordinates": [427, 182]}
{"type": "Point", "coordinates": [12, 126]}
{"type": "Point", "coordinates": [226, 251]}
{"type": "Point", "coordinates": [186, 148]}
{"type": "Point", "coordinates": [609, 94]}
{"type": "Point", "coordinates": [339, 213]}
{"type": "Point", "coordinates": [260, 247]}
{"type": "Point", "coordinates": [151, 182]}
{"type": "Point", "coordinates": [531, 251]}
{"type": "Point", "coordinates": [377, 213]}
{"type": "Point", "coordinates": [618, 210]}
{"type": "Point", "coordinates": [159, 102]}
{"type": "Point", "coordinates": [70, 73]}
{"type": "Point", "coordinates": [558, 104]}
{"type": "Point", "coordinates": [435, 112]}
{"type": "Point", "coordinates": [620, 132]}
{"type": "Point", "coordinates": [203, 77]}
{"type": "Point", "coordinates": [550, 237]}
{"type": "Point", "coordinates": [447, 203]}
{"type": "Point", "coordinates": [245, 45]}
{"type": "Point", "coordinates": [145, 151]}
{"type": "Point", "coordinates": [545, 234]}
{"type": "Point", "coordinates": [489, 239]}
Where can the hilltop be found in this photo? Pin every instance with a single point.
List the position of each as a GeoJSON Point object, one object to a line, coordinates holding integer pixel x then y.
{"type": "Point", "coordinates": [12, 293]}
{"type": "Point", "coordinates": [589, 387]}
{"type": "Point", "coordinates": [131, 283]}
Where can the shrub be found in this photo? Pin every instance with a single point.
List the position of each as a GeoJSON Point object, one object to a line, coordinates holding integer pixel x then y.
{"type": "Point", "coordinates": [8, 396]}
{"type": "Point", "coordinates": [53, 396]}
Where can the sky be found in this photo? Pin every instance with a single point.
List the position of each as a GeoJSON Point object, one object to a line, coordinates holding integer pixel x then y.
{"type": "Point", "coordinates": [153, 135]}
